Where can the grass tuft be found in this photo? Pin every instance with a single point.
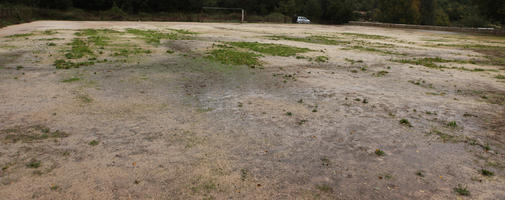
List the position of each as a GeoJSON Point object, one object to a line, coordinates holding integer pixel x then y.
{"type": "Point", "coordinates": [486, 172]}
{"type": "Point", "coordinates": [33, 164]}
{"type": "Point", "coordinates": [379, 152]}
{"type": "Point", "coordinates": [94, 143]}
{"type": "Point", "coordinates": [324, 188]}
{"type": "Point", "coordinates": [452, 124]}
{"type": "Point", "coordinates": [463, 191]}
{"type": "Point", "coordinates": [405, 122]}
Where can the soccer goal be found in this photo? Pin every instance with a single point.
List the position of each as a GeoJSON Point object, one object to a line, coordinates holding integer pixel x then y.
{"type": "Point", "coordinates": [219, 14]}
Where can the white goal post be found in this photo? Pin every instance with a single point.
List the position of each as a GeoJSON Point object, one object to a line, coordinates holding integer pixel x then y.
{"type": "Point", "coordinates": [220, 8]}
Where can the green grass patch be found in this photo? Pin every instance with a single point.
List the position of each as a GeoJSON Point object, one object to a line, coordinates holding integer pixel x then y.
{"type": "Point", "coordinates": [20, 35]}
{"type": "Point", "coordinates": [99, 40]}
{"type": "Point", "coordinates": [500, 77]}
{"type": "Point", "coordinates": [32, 134]}
{"type": "Point", "coordinates": [73, 79]}
{"type": "Point", "coordinates": [79, 49]}
{"type": "Point", "coordinates": [94, 32]}
{"type": "Point", "coordinates": [370, 49]}
{"type": "Point", "coordinates": [154, 37]}
{"type": "Point", "coordinates": [321, 59]}
{"type": "Point", "coordinates": [271, 49]}
{"type": "Point", "coordinates": [312, 39]}
{"type": "Point", "coordinates": [183, 31]}
{"type": "Point", "coordinates": [233, 57]}
{"type": "Point", "coordinates": [427, 62]}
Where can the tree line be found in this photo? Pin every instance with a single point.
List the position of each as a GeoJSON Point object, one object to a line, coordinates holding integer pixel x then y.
{"type": "Point", "coordinates": [473, 13]}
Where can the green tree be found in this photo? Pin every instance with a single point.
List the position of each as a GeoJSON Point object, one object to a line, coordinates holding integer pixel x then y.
{"type": "Point", "coordinates": [428, 12]}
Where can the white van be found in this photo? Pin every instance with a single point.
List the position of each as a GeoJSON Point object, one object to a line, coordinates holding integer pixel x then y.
{"type": "Point", "coordinates": [302, 20]}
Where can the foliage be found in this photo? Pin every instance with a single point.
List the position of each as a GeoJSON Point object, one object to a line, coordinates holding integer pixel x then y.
{"type": "Point", "coordinates": [428, 12]}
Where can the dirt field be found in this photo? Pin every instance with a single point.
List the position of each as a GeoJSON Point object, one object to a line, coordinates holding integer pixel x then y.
{"type": "Point", "coordinates": [140, 110]}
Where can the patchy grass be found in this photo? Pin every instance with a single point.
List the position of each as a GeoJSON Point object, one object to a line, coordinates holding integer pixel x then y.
{"type": "Point", "coordinates": [154, 37]}
{"type": "Point", "coordinates": [62, 64]}
{"type": "Point", "coordinates": [73, 79]}
{"type": "Point", "coordinates": [94, 32]}
{"type": "Point", "coordinates": [353, 61]}
{"type": "Point", "coordinates": [462, 190]}
{"type": "Point", "coordinates": [31, 134]}
{"type": "Point", "coordinates": [49, 32]}
{"type": "Point", "coordinates": [321, 59]}
{"type": "Point", "coordinates": [500, 77]}
{"type": "Point", "coordinates": [324, 188]}
{"type": "Point", "coordinates": [444, 136]}
{"type": "Point", "coordinates": [79, 49]}
{"type": "Point", "coordinates": [84, 98]}
{"type": "Point", "coordinates": [234, 57]}
{"type": "Point", "coordinates": [24, 35]}
{"type": "Point", "coordinates": [183, 31]}
{"type": "Point", "coordinates": [373, 50]}
{"type": "Point", "coordinates": [366, 36]}
{"type": "Point", "coordinates": [127, 52]}
{"type": "Point", "coordinates": [99, 40]}
{"type": "Point", "coordinates": [271, 49]}
{"type": "Point", "coordinates": [50, 39]}
{"type": "Point", "coordinates": [33, 164]}
{"type": "Point", "coordinates": [427, 62]}
{"type": "Point", "coordinates": [312, 39]}
{"type": "Point", "coordinates": [93, 143]}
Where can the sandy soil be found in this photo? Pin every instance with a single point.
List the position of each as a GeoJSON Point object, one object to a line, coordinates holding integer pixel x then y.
{"type": "Point", "coordinates": [178, 126]}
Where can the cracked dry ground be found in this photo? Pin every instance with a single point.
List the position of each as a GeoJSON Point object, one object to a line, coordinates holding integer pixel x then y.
{"type": "Point", "coordinates": [144, 110]}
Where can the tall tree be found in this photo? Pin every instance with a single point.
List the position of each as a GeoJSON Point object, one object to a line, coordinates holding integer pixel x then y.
{"type": "Point", "coordinates": [428, 10]}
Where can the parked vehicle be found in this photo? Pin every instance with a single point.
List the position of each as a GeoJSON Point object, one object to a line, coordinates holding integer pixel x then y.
{"type": "Point", "coordinates": [302, 20]}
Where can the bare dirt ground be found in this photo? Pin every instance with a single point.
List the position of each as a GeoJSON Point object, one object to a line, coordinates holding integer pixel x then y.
{"type": "Point", "coordinates": [366, 113]}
